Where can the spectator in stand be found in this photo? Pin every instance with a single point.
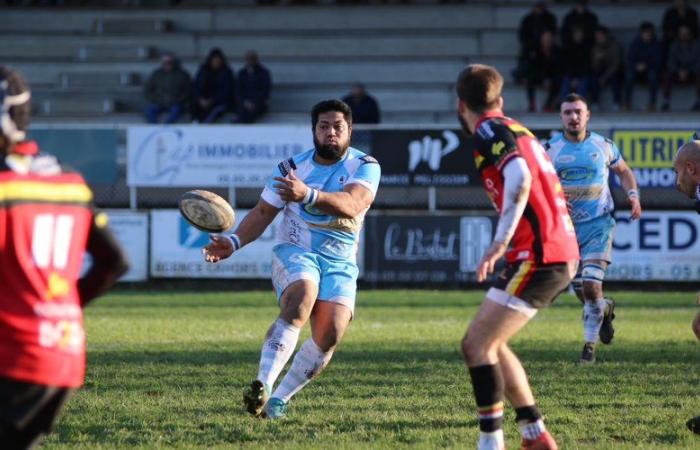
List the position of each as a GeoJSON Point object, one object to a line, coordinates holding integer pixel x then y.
{"type": "Point", "coordinates": [543, 68]}
{"type": "Point", "coordinates": [607, 65]}
{"type": "Point", "coordinates": [365, 108]}
{"type": "Point", "coordinates": [582, 18]}
{"type": "Point", "coordinates": [681, 13]}
{"type": "Point", "coordinates": [576, 65]}
{"type": "Point", "coordinates": [531, 28]}
{"type": "Point", "coordinates": [254, 84]}
{"type": "Point", "coordinates": [167, 91]}
{"type": "Point", "coordinates": [213, 88]}
{"type": "Point", "coordinates": [644, 63]}
{"type": "Point", "coordinates": [683, 65]}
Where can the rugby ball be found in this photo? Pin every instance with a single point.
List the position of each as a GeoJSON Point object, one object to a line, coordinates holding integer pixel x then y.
{"type": "Point", "coordinates": [206, 211]}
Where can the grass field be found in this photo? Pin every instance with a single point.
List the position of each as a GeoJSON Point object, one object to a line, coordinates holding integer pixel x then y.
{"type": "Point", "coordinates": [166, 370]}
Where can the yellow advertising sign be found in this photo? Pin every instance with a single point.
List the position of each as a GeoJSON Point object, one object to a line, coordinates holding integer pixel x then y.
{"type": "Point", "coordinates": [650, 149]}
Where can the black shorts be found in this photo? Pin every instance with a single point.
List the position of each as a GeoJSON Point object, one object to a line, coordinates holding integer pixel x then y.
{"type": "Point", "coordinates": [537, 285]}
{"type": "Point", "coordinates": [28, 411]}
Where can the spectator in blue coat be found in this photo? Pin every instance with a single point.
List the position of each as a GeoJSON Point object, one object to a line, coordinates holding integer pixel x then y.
{"type": "Point", "coordinates": [365, 108]}
{"type": "Point", "coordinates": [254, 85]}
{"type": "Point", "coordinates": [213, 88]}
{"type": "Point", "coordinates": [644, 62]}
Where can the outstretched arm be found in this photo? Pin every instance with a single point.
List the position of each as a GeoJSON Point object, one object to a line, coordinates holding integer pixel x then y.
{"type": "Point", "coordinates": [252, 226]}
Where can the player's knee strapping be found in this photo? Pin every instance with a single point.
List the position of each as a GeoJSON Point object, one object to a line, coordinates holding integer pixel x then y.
{"type": "Point", "coordinates": [577, 282]}
{"type": "Point", "coordinates": [592, 273]}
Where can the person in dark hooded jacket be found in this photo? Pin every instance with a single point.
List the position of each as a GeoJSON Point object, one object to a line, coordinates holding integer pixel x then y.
{"type": "Point", "coordinates": [167, 90]}
{"type": "Point", "coordinates": [214, 88]}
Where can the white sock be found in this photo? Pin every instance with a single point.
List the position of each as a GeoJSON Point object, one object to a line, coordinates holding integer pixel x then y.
{"type": "Point", "coordinates": [278, 347]}
{"type": "Point", "coordinates": [592, 319]}
{"type": "Point", "coordinates": [531, 430]}
{"type": "Point", "coordinates": [491, 441]}
{"type": "Point", "coordinates": [309, 361]}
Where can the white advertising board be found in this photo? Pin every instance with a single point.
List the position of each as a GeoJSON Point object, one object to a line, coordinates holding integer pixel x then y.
{"type": "Point", "coordinates": [662, 245]}
{"type": "Point", "coordinates": [210, 155]}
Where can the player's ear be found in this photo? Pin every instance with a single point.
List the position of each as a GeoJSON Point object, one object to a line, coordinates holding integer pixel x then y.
{"type": "Point", "coordinates": [500, 102]}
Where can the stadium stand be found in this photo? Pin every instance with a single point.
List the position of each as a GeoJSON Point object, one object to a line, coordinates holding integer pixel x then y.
{"type": "Point", "coordinates": [406, 54]}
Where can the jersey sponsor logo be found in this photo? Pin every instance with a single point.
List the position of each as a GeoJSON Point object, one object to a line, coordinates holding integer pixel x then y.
{"type": "Point", "coordinates": [575, 173]}
{"type": "Point", "coordinates": [497, 148]}
{"type": "Point", "coordinates": [431, 151]}
{"type": "Point", "coordinates": [594, 155]}
{"type": "Point", "coordinates": [286, 166]}
{"type": "Point", "coordinates": [565, 159]}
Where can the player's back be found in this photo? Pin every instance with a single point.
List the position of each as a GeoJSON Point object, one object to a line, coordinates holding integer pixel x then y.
{"type": "Point", "coordinates": [545, 233]}
{"type": "Point", "coordinates": [45, 220]}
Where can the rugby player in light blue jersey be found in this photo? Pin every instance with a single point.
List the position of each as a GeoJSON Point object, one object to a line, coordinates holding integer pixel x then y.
{"type": "Point", "coordinates": [323, 194]}
{"type": "Point", "coordinates": [582, 160]}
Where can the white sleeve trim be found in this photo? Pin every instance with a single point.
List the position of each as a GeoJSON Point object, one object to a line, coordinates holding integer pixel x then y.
{"type": "Point", "coordinates": [365, 184]}
{"type": "Point", "coordinates": [272, 198]}
{"type": "Point", "coordinates": [517, 180]}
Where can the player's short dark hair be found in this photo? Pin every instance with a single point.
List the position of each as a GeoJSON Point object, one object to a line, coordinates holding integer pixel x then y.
{"type": "Point", "coordinates": [574, 97]}
{"type": "Point", "coordinates": [479, 86]}
{"type": "Point", "coordinates": [11, 84]}
{"type": "Point", "coordinates": [646, 26]}
{"type": "Point", "coordinates": [330, 106]}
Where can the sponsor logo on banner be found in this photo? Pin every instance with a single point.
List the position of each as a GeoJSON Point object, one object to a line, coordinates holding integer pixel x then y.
{"type": "Point", "coordinates": [662, 245]}
{"type": "Point", "coordinates": [424, 157]}
{"type": "Point", "coordinates": [417, 249]}
{"type": "Point", "coordinates": [650, 154]}
{"type": "Point", "coordinates": [242, 156]}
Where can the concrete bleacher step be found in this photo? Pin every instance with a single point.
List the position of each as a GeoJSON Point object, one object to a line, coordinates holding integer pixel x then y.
{"type": "Point", "coordinates": [80, 107]}
{"type": "Point", "coordinates": [105, 80]}
{"type": "Point", "coordinates": [116, 52]}
{"type": "Point", "coordinates": [133, 25]}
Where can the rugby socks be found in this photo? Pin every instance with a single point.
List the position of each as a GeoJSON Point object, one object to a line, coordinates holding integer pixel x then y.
{"type": "Point", "coordinates": [309, 361]}
{"type": "Point", "coordinates": [530, 422]}
{"type": "Point", "coordinates": [280, 342]}
{"type": "Point", "coordinates": [592, 319]}
{"type": "Point", "coordinates": [487, 382]}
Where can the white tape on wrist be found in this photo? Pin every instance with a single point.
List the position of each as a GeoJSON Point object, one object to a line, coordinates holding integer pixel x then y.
{"type": "Point", "coordinates": [235, 240]}
{"type": "Point", "coordinates": [311, 197]}
{"type": "Point", "coordinates": [633, 193]}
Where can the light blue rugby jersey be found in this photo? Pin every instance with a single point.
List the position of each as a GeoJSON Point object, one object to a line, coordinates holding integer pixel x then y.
{"type": "Point", "coordinates": [583, 168]}
{"type": "Point", "coordinates": [310, 228]}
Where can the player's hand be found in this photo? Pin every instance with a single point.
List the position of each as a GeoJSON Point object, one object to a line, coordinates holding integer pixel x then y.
{"type": "Point", "coordinates": [219, 248]}
{"type": "Point", "coordinates": [291, 188]}
{"type": "Point", "coordinates": [636, 208]}
{"type": "Point", "coordinates": [488, 261]}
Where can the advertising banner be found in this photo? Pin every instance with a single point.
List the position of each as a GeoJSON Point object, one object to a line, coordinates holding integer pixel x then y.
{"type": "Point", "coordinates": [424, 157]}
{"type": "Point", "coordinates": [661, 246]}
{"type": "Point", "coordinates": [131, 230]}
{"type": "Point", "coordinates": [419, 249]}
{"type": "Point", "coordinates": [650, 154]}
{"type": "Point", "coordinates": [210, 156]}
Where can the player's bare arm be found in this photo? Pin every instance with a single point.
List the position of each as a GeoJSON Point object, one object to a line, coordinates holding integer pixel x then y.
{"type": "Point", "coordinates": [348, 204]}
{"type": "Point", "coordinates": [629, 184]}
{"type": "Point", "coordinates": [252, 226]}
{"type": "Point", "coordinates": [517, 183]}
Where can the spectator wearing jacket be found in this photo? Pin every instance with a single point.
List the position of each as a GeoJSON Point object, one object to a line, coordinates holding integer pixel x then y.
{"type": "Point", "coordinates": [644, 63]}
{"type": "Point", "coordinates": [213, 88]}
{"type": "Point", "coordinates": [607, 64]}
{"type": "Point", "coordinates": [365, 108]}
{"type": "Point", "coordinates": [167, 91]}
{"type": "Point", "coordinates": [254, 85]}
{"type": "Point", "coordinates": [580, 17]}
{"type": "Point", "coordinates": [683, 65]}
{"type": "Point", "coordinates": [543, 68]}
{"type": "Point", "coordinates": [576, 65]}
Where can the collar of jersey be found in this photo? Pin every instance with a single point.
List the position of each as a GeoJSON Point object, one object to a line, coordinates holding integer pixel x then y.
{"type": "Point", "coordinates": [317, 164]}
{"type": "Point", "coordinates": [588, 135]}
{"type": "Point", "coordinates": [488, 115]}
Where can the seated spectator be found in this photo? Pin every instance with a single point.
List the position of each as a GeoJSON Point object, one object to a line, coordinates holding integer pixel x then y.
{"type": "Point", "coordinates": [576, 65]}
{"type": "Point", "coordinates": [581, 18]}
{"type": "Point", "coordinates": [643, 63]}
{"type": "Point", "coordinates": [213, 88]}
{"type": "Point", "coordinates": [543, 68]}
{"type": "Point", "coordinates": [167, 91]}
{"type": "Point", "coordinates": [531, 28]}
{"type": "Point", "coordinates": [364, 107]}
{"type": "Point", "coordinates": [607, 59]}
{"type": "Point", "coordinates": [676, 16]}
{"type": "Point", "coordinates": [683, 65]}
{"type": "Point", "coordinates": [254, 84]}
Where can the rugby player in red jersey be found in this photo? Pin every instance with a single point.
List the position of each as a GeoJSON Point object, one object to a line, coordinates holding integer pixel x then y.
{"type": "Point", "coordinates": [47, 223]}
{"type": "Point", "coordinates": [536, 235]}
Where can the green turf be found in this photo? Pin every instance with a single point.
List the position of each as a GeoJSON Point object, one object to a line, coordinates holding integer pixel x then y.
{"type": "Point", "coordinates": [166, 370]}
